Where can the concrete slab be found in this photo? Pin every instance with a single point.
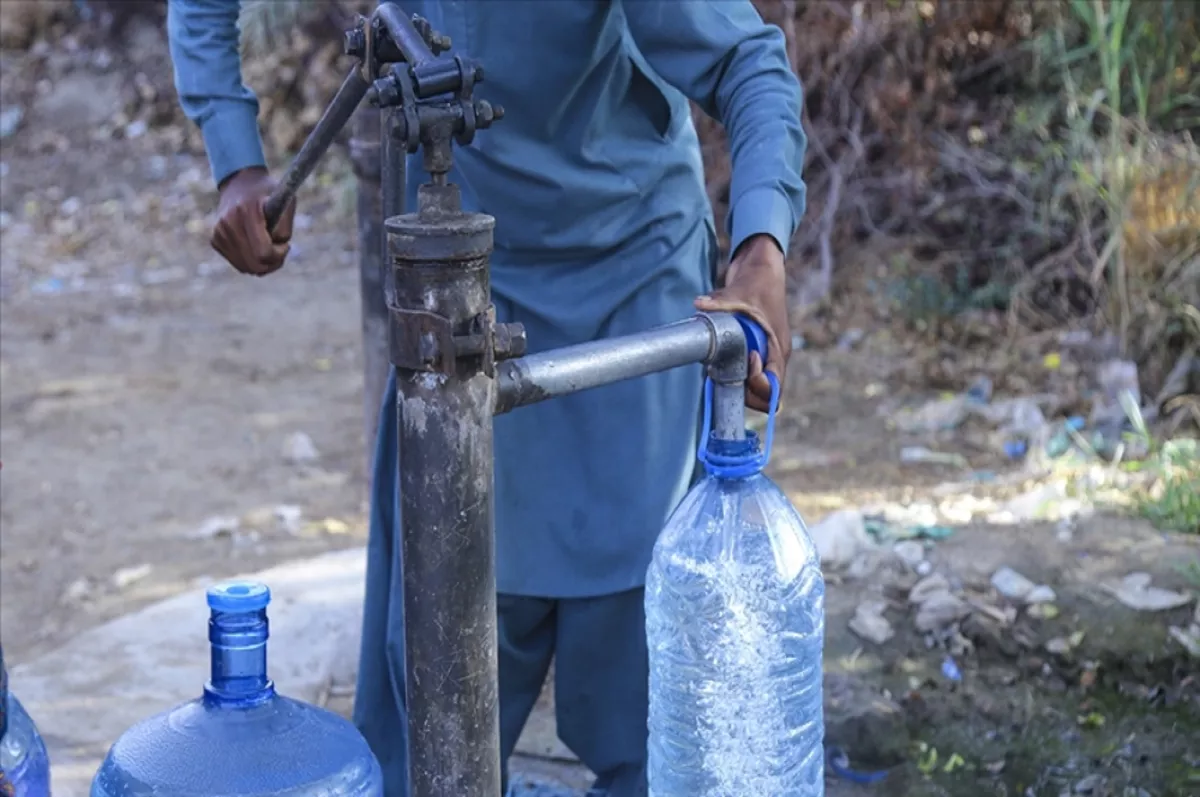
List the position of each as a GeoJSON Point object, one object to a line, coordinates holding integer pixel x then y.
{"type": "Point", "coordinates": [86, 693]}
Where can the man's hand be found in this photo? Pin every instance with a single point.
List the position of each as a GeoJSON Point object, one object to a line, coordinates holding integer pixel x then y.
{"type": "Point", "coordinates": [756, 286]}
{"type": "Point", "coordinates": [241, 235]}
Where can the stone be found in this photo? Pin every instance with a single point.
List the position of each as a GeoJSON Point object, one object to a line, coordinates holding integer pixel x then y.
{"type": "Point", "coordinates": [1041, 594]}
{"type": "Point", "coordinates": [299, 449]}
{"type": "Point", "coordinates": [911, 552]}
{"type": "Point", "coordinates": [939, 611]}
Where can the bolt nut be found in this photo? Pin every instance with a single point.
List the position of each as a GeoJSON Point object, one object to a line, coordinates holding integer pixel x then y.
{"type": "Point", "coordinates": [354, 43]}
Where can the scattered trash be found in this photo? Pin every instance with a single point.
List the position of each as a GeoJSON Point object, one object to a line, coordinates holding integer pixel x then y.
{"type": "Point", "coordinates": [933, 416]}
{"type": "Point", "coordinates": [911, 552]}
{"type": "Point", "coordinates": [1011, 584]}
{"type": "Point", "coordinates": [128, 576]}
{"type": "Point", "coordinates": [299, 448]}
{"type": "Point", "coordinates": [1060, 646]}
{"type": "Point", "coordinates": [332, 525]}
{"type": "Point", "coordinates": [1052, 361]}
{"type": "Point", "coordinates": [869, 623]}
{"type": "Point", "coordinates": [850, 338]}
{"type": "Point", "coordinates": [1040, 594]}
{"type": "Point", "coordinates": [1015, 449]}
{"type": "Point", "coordinates": [289, 517]}
{"type": "Point", "coordinates": [883, 531]}
{"type": "Point", "coordinates": [950, 670]}
{"type": "Point", "coordinates": [10, 120]}
{"type": "Point", "coordinates": [1092, 784]}
{"type": "Point", "coordinates": [920, 454]}
{"type": "Point", "coordinates": [1043, 611]}
{"type": "Point", "coordinates": [840, 537]}
{"type": "Point", "coordinates": [1135, 592]}
{"type": "Point", "coordinates": [980, 391]}
{"type": "Point", "coordinates": [48, 286]}
{"type": "Point", "coordinates": [221, 526]}
{"type": "Point", "coordinates": [1189, 637]}
{"type": "Point", "coordinates": [839, 765]}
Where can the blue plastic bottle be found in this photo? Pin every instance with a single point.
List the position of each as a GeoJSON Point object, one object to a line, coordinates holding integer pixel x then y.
{"type": "Point", "coordinates": [24, 764]}
{"type": "Point", "coordinates": [735, 626]}
{"type": "Point", "coordinates": [240, 739]}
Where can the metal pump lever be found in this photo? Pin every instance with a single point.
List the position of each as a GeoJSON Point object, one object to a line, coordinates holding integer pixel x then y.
{"type": "Point", "coordinates": [386, 38]}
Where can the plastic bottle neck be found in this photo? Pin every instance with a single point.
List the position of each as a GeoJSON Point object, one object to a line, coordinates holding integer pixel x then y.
{"type": "Point", "coordinates": [733, 459]}
{"type": "Point", "coordinates": [238, 645]}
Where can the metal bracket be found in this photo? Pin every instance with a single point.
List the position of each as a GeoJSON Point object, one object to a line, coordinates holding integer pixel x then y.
{"type": "Point", "coordinates": [423, 341]}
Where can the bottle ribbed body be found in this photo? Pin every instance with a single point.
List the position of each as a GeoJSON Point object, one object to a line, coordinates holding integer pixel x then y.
{"type": "Point", "coordinates": [735, 625]}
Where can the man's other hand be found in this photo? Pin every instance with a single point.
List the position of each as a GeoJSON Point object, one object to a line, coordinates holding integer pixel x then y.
{"type": "Point", "coordinates": [756, 286]}
{"type": "Point", "coordinates": [241, 235]}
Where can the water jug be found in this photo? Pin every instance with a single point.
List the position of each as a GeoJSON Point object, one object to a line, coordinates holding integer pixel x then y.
{"type": "Point", "coordinates": [240, 738]}
{"type": "Point", "coordinates": [24, 764]}
{"type": "Point", "coordinates": [735, 628]}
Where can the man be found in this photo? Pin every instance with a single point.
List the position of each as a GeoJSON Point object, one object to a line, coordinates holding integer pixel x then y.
{"type": "Point", "coordinates": [603, 228]}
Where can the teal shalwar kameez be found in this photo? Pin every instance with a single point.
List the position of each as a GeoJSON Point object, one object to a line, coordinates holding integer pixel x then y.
{"type": "Point", "coordinates": [603, 228]}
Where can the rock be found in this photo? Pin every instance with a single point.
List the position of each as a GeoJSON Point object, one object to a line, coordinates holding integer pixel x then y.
{"type": "Point", "coordinates": [927, 587]}
{"type": "Point", "coordinates": [1011, 584]}
{"type": "Point", "coordinates": [1135, 592]}
{"type": "Point", "coordinates": [869, 623]}
{"type": "Point", "coordinates": [127, 576]}
{"type": "Point", "coordinates": [940, 610]}
{"type": "Point", "coordinates": [865, 723]}
{"type": "Point", "coordinates": [299, 449]}
{"type": "Point", "coordinates": [77, 591]}
{"type": "Point", "coordinates": [1058, 645]}
{"type": "Point", "coordinates": [1092, 785]}
{"type": "Point", "coordinates": [934, 416]}
{"type": "Point", "coordinates": [840, 537]}
{"type": "Point", "coordinates": [911, 552]}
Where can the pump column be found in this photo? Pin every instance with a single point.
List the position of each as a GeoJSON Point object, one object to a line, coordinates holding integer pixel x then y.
{"type": "Point", "coordinates": [440, 313]}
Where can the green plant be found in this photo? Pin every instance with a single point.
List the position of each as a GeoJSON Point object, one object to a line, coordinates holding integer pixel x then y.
{"type": "Point", "coordinates": [1173, 500]}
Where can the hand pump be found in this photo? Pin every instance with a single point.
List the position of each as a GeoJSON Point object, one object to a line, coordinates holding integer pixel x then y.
{"type": "Point", "coordinates": [456, 368]}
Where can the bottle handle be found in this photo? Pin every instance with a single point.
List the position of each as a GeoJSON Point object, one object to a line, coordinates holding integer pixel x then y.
{"type": "Point", "coordinates": [756, 341]}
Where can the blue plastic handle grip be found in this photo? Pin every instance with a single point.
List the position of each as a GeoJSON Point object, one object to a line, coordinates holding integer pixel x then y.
{"type": "Point", "coordinates": [756, 336]}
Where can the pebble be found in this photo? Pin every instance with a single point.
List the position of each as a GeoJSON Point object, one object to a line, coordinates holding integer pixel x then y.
{"type": "Point", "coordinates": [128, 576]}
{"type": "Point", "coordinates": [299, 448]}
{"type": "Point", "coordinates": [911, 552]}
{"type": "Point", "coordinates": [10, 120]}
{"type": "Point", "coordinates": [77, 591]}
{"type": "Point", "coordinates": [927, 587]}
{"type": "Point", "coordinates": [940, 610]}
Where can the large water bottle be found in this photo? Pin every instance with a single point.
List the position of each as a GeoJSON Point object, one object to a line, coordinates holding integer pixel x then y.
{"type": "Point", "coordinates": [735, 626]}
{"type": "Point", "coordinates": [240, 739]}
{"type": "Point", "coordinates": [24, 764]}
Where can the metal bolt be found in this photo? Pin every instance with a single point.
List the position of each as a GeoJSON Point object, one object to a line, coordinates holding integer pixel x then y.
{"type": "Point", "coordinates": [354, 43]}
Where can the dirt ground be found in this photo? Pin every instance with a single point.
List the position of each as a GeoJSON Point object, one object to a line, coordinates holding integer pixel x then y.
{"type": "Point", "coordinates": [164, 420]}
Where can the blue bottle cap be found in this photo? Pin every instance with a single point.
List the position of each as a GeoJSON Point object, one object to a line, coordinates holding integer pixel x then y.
{"type": "Point", "coordinates": [238, 596]}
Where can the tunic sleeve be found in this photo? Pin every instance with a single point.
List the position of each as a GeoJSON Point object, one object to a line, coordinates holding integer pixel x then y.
{"type": "Point", "coordinates": [735, 66]}
{"type": "Point", "coordinates": [203, 38]}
